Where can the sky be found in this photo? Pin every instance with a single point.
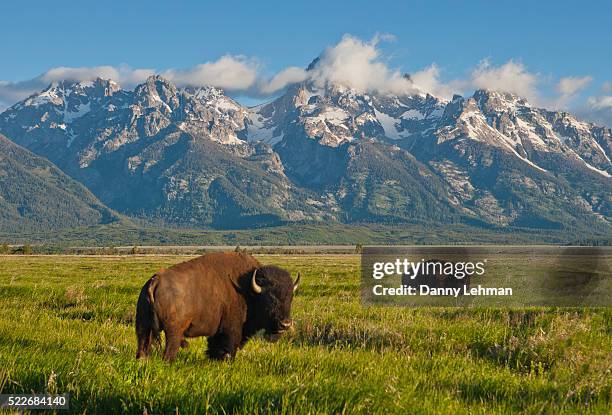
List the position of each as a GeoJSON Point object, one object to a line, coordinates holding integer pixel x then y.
{"type": "Point", "coordinates": [556, 54]}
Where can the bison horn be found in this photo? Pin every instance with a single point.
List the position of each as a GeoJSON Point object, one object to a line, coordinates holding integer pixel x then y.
{"type": "Point", "coordinates": [254, 285]}
{"type": "Point", "coordinates": [297, 282]}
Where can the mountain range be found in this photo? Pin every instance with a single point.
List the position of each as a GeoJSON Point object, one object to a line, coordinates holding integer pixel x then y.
{"type": "Point", "coordinates": [193, 157]}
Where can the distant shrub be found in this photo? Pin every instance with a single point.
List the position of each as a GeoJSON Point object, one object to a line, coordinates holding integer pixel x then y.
{"type": "Point", "coordinates": [26, 250]}
{"type": "Point", "coordinates": [4, 249]}
{"type": "Point", "coordinates": [134, 250]}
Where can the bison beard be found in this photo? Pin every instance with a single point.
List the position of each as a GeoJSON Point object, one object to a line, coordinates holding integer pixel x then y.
{"type": "Point", "coordinates": [227, 297]}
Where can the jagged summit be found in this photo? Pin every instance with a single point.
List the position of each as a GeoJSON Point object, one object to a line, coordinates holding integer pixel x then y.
{"type": "Point", "coordinates": [313, 64]}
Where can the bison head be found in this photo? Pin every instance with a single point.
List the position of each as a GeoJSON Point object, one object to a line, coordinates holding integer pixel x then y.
{"type": "Point", "coordinates": [272, 292]}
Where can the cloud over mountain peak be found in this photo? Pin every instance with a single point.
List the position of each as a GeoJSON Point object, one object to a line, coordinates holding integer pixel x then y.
{"type": "Point", "coordinates": [355, 63]}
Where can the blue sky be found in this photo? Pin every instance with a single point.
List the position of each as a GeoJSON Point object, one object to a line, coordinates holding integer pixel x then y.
{"type": "Point", "coordinates": [549, 40]}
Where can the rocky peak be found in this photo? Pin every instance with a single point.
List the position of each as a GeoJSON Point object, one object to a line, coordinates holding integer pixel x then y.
{"type": "Point", "coordinates": [213, 98]}
{"type": "Point", "coordinates": [157, 92]}
{"type": "Point", "coordinates": [107, 87]}
{"type": "Point", "coordinates": [454, 108]}
{"type": "Point", "coordinates": [495, 101]}
{"type": "Point", "coordinates": [313, 64]}
{"type": "Point", "coordinates": [205, 92]}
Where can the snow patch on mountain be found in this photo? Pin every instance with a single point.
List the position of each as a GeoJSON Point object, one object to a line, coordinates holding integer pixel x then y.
{"type": "Point", "coordinates": [261, 127]}
{"type": "Point", "coordinates": [81, 110]}
{"type": "Point", "coordinates": [595, 169]}
{"type": "Point", "coordinates": [389, 124]}
{"type": "Point", "coordinates": [414, 114]}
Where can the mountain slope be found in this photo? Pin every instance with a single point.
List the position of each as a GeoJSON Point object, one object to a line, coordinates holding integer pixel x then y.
{"type": "Point", "coordinates": [35, 195]}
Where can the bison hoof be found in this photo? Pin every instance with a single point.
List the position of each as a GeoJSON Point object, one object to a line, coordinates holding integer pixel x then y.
{"type": "Point", "coordinates": [225, 356]}
{"type": "Point", "coordinates": [184, 344]}
{"type": "Point", "coordinates": [220, 355]}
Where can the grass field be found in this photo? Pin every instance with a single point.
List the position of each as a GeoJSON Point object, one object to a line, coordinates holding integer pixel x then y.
{"type": "Point", "coordinates": [66, 325]}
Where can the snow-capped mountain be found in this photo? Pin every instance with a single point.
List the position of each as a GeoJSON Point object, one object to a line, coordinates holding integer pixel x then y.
{"type": "Point", "coordinates": [335, 115]}
{"type": "Point", "coordinates": [195, 157]}
{"type": "Point", "coordinates": [87, 119]}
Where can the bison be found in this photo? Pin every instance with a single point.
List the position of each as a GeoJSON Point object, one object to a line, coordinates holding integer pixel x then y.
{"type": "Point", "coordinates": [227, 297]}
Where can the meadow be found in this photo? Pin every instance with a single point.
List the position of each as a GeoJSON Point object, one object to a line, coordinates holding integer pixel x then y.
{"type": "Point", "coordinates": [67, 325]}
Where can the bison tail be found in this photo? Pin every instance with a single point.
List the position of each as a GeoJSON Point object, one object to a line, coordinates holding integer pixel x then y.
{"type": "Point", "coordinates": [147, 322]}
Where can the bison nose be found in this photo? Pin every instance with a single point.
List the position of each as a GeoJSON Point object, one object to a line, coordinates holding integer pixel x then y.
{"type": "Point", "coordinates": [285, 324]}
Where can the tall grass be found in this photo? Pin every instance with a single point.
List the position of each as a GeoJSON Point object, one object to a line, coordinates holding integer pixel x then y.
{"type": "Point", "coordinates": [66, 325]}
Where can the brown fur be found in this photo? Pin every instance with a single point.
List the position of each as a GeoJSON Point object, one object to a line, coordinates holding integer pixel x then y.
{"type": "Point", "coordinates": [211, 296]}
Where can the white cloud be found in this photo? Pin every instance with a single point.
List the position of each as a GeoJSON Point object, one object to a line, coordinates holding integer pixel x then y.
{"type": "Point", "coordinates": [123, 74]}
{"type": "Point", "coordinates": [598, 109]}
{"type": "Point", "coordinates": [510, 77]}
{"type": "Point", "coordinates": [361, 65]}
{"type": "Point", "coordinates": [428, 80]}
{"type": "Point", "coordinates": [80, 74]}
{"type": "Point", "coordinates": [514, 77]}
{"type": "Point", "coordinates": [352, 62]}
{"type": "Point", "coordinates": [606, 87]}
{"type": "Point", "coordinates": [229, 72]}
{"type": "Point", "coordinates": [285, 77]}
{"type": "Point", "coordinates": [600, 102]}
{"type": "Point", "coordinates": [11, 92]}
{"type": "Point", "coordinates": [571, 85]}
{"type": "Point", "coordinates": [568, 89]}
{"type": "Point", "coordinates": [357, 64]}
{"type": "Point", "coordinates": [233, 73]}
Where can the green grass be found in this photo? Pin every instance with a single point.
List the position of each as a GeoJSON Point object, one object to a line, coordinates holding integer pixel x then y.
{"type": "Point", "coordinates": [66, 325]}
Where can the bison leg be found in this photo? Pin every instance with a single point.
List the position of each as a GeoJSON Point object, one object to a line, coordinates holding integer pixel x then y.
{"type": "Point", "coordinates": [173, 343]}
{"type": "Point", "coordinates": [222, 346]}
{"type": "Point", "coordinates": [216, 349]}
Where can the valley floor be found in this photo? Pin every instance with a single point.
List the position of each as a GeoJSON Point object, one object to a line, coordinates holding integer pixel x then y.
{"type": "Point", "coordinates": [67, 325]}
